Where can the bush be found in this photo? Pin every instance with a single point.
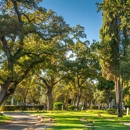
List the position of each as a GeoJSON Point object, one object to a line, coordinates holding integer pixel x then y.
{"type": "Point", "coordinates": [124, 111]}
{"type": "Point", "coordinates": [58, 105]}
{"type": "Point", "coordinates": [71, 107]}
{"type": "Point", "coordinates": [111, 111]}
{"type": "Point", "coordinates": [96, 111]}
{"type": "Point", "coordinates": [93, 107]}
{"type": "Point", "coordinates": [114, 111]}
{"type": "Point", "coordinates": [23, 107]}
{"type": "Point", "coordinates": [9, 108]}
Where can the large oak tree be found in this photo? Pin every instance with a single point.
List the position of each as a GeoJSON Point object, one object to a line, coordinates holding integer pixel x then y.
{"type": "Point", "coordinates": [26, 30]}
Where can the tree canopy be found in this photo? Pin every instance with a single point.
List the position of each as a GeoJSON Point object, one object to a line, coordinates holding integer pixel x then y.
{"type": "Point", "coordinates": [28, 34]}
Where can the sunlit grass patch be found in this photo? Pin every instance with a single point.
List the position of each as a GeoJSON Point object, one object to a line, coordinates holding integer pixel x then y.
{"type": "Point", "coordinates": [85, 120]}
{"type": "Point", "coordinates": [5, 119]}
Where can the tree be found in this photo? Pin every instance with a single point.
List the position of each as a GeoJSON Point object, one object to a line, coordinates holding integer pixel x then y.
{"type": "Point", "coordinates": [99, 96]}
{"type": "Point", "coordinates": [114, 43]}
{"type": "Point", "coordinates": [28, 90]}
{"type": "Point", "coordinates": [63, 93]}
{"type": "Point", "coordinates": [54, 70]}
{"type": "Point", "coordinates": [82, 67]}
{"type": "Point", "coordinates": [106, 86]}
{"type": "Point", "coordinates": [26, 32]}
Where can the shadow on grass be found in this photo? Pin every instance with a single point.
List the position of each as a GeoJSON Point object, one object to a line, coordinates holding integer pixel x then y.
{"type": "Point", "coordinates": [71, 120]}
{"type": "Point", "coordinates": [68, 127]}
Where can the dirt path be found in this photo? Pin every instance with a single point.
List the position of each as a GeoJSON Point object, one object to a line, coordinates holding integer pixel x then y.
{"type": "Point", "coordinates": [24, 122]}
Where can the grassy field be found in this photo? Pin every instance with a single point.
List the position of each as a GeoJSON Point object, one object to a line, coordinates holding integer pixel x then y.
{"type": "Point", "coordinates": [85, 120]}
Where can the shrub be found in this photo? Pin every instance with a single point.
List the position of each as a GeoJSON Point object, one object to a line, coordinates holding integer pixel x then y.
{"type": "Point", "coordinates": [22, 107]}
{"type": "Point", "coordinates": [96, 111]}
{"type": "Point", "coordinates": [111, 111]}
{"type": "Point", "coordinates": [1, 108]}
{"type": "Point", "coordinates": [71, 107]}
{"type": "Point", "coordinates": [39, 107]}
{"type": "Point", "coordinates": [114, 111]}
{"type": "Point", "coordinates": [93, 107]}
{"type": "Point", "coordinates": [9, 108]}
{"type": "Point", "coordinates": [124, 111]}
{"type": "Point", "coordinates": [127, 103]}
{"type": "Point", "coordinates": [58, 105]}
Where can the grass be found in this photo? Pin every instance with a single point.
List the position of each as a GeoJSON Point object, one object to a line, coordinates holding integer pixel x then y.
{"type": "Point", "coordinates": [5, 119]}
{"type": "Point", "coordinates": [76, 120]}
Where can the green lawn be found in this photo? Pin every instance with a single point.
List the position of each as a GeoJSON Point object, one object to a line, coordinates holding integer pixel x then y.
{"type": "Point", "coordinates": [5, 119]}
{"type": "Point", "coordinates": [74, 120]}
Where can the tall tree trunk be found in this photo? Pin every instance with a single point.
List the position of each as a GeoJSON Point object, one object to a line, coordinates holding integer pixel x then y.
{"type": "Point", "coordinates": [49, 99]}
{"type": "Point", "coordinates": [118, 88]}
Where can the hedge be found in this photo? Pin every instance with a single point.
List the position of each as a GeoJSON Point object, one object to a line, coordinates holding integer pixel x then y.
{"type": "Point", "coordinates": [71, 107]}
{"type": "Point", "coordinates": [114, 111]}
{"type": "Point", "coordinates": [94, 107]}
{"type": "Point", "coordinates": [23, 108]}
{"type": "Point", "coordinates": [58, 105]}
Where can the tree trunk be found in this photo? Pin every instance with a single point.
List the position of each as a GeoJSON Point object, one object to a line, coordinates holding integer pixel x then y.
{"type": "Point", "coordinates": [6, 90]}
{"type": "Point", "coordinates": [49, 99]}
{"type": "Point", "coordinates": [24, 101]}
{"type": "Point", "coordinates": [107, 97]}
{"type": "Point", "coordinates": [78, 101]}
{"type": "Point", "coordinates": [66, 101]}
{"type": "Point", "coordinates": [118, 88]}
{"type": "Point", "coordinates": [3, 92]}
{"type": "Point", "coordinates": [74, 100]}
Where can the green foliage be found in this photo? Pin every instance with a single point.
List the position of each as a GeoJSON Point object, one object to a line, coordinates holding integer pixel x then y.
{"type": "Point", "coordinates": [28, 90]}
{"type": "Point", "coordinates": [71, 107]}
{"type": "Point", "coordinates": [58, 105]}
{"type": "Point", "coordinates": [114, 44]}
{"type": "Point", "coordinates": [111, 111]}
{"type": "Point", "coordinates": [32, 37]}
{"type": "Point", "coordinates": [93, 107]}
{"type": "Point", "coordinates": [114, 111]}
{"type": "Point", "coordinates": [105, 84]}
{"type": "Point", "coordinates": [127, 103]}
{"type": "Point", "coordinates": [19, 108]}
{"type": "Point", "coordinates": [96, 111]}
{"type": "Point", "coordinates": [99, 96]}
{"type": "Point", "coordinates": [114, 37]}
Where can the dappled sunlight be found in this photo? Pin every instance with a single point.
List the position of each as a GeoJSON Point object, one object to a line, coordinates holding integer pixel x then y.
{"type": "Point", "coordinates": [79, 120]}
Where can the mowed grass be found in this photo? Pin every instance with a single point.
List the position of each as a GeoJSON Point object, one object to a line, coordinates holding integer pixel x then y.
{"type": "Point", "coordinates": [5, 119]}
{"type": "Point", "coordinates": [82, 120]}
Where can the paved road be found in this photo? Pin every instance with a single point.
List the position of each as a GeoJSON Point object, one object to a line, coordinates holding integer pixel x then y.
{"type": "Point", "coordinates": [23, 122]}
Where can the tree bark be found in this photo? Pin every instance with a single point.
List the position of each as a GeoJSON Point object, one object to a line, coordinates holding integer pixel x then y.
{"type": "Point", "coordinates": [118, 88]}
{"type": "Point", "coordinates": [78, 101]}
{"type": "Point", "coordinates": [66, 101]}
{"type": "Point", "coordinates": [24, 101]}
{"type": "Point", "coordinates": [107, 97]}
{"type": "Point", "coordinates": [49, 99]}
{"type": "Point", "coordinates": [3, 92]}
{"type": "Point", "coordinates": [74, 100]}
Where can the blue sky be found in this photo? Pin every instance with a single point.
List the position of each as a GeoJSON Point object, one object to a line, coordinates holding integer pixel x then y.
{"type": "Point", "coordinates": [74, 12]}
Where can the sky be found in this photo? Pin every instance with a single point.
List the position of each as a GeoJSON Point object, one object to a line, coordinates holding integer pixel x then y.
{"type": "Point", "coordinates": [78, 12]}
